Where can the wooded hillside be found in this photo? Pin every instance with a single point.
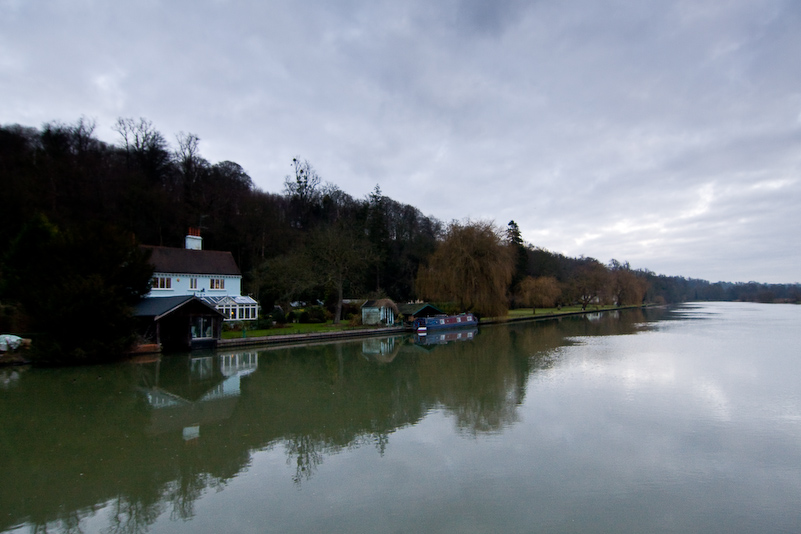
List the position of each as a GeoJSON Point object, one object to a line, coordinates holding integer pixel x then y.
{"type": "Point", "coordinates": [310, 241]}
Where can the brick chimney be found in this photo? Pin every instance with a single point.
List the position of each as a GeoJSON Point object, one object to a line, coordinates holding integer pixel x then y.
{"type": "Point", "coordinates": [193, 239]}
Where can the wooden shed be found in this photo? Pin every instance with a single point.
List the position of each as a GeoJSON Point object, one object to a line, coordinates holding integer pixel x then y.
{"type": "Point", "coordinates": [382, 311]}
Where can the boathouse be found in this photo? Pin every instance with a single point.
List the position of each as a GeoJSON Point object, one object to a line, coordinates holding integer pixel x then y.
{"type": "Point", "coordinates": [178, 323]}
{"type": "Point", "coordinates": [382, 311]}
{"type": "Point", "coordinates": [416, 310]}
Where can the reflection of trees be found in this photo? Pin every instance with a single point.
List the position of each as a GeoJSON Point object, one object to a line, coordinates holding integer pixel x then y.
{"type": "Point", "coordinates": [483, 382]}
{"type": "Point", "coordinates": [183, 493]}
{"type": "Point", "coordinates": [108, 445]}
{"type": "Point", "coordinates": [132, 516]}
{"type": "Point", "coordinates": [306, 452]}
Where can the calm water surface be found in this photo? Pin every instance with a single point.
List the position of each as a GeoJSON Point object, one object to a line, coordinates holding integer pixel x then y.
{"type": "Point", "coordinates": [669, 420]}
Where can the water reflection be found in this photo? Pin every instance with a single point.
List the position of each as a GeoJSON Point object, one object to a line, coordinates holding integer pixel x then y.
{"type": "Point", "coordinates": [139, 442]}
{"type": "Point", "coordinates": [206, 394]}
{"type": "Point", "coordinates": [382, 349]}
{"type": "Point", "coordinates": [448, 336]}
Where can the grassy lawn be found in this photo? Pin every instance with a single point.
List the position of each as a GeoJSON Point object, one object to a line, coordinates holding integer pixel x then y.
{"type": "Point", "coordinates": [297, 328]}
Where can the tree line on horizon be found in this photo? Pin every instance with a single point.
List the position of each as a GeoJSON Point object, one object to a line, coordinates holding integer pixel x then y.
{"type": "Point", "coordinates": [66, 191]}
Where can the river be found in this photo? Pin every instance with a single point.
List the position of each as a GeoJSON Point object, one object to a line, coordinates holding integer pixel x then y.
{"type": "Point", "coordinates": [683, 419]}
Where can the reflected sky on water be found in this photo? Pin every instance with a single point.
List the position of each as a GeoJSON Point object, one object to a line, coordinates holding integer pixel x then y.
{"type": "Point", "coordinates": [665, 420]}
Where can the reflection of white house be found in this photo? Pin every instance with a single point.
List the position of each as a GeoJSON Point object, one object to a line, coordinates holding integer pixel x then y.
{"type": "Point", "coordinates": [210, 275]}
{"type": "Point", "coordinates": [233, 367]}
{"type": "Point", "coordinates": [183, 406]}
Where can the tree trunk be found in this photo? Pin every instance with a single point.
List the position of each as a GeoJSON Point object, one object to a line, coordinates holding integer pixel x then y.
{"type": "Point", "coordinates": [338, 312]}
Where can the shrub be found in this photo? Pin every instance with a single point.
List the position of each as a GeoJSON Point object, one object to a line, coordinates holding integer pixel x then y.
{"type": "Point", "coordinates": [314, 314]}
{"type": "Point", "coordinates": [278, 316]}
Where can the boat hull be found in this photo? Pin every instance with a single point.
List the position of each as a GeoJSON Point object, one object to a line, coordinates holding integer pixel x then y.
{"type": "Point", "coordinates": [441, 322]}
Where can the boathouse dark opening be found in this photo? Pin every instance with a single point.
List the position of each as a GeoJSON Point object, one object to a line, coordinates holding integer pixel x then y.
{"type": "Point", "coordinates": [179, 323]}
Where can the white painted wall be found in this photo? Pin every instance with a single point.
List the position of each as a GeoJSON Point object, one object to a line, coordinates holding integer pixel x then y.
{"type": "Point", "coordinates": [180, 286]}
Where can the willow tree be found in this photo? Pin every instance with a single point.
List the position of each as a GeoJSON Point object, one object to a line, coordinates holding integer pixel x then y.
{"type": "Point", "coordinates": [540, 292]}
{"type": "Point", "coordinates": [472, 267]}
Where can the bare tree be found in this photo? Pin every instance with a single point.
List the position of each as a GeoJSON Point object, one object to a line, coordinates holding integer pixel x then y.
{"type": "Point", "coordinates": [589, 282]}
{"type": "Point", "coordinates": [144, 146]}
{"type": "Point", "coordinates": [338, 256]}
{"type": "Point", "coordinates": [302, 190]}
{"type": "Point", "coordinates": [627, 287]}
{"type": "Point", "coordinates": [188, 153]}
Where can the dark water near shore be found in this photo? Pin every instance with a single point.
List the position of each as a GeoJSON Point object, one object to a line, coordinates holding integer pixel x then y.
{"type": "Point", "coordinates": [665, 420]}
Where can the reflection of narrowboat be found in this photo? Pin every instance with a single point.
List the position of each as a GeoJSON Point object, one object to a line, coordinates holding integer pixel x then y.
{"type": "Point", "coordinates": [438, 322]}
{"type": "Point", "coordinates": [443, 337]}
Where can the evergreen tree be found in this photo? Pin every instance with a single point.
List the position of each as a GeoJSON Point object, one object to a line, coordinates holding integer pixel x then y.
{"type": "Point", "coordinates": [77, 287]}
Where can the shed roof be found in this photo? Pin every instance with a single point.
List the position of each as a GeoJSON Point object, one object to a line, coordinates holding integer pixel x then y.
{"type": "Point", "coordinates": [186, 261]}
{"type": "Point", "coordinates": [418, 309]}
{"type": "Point", "coordinates": [158, 307]}
{"type": "Point", "coordinates": [381, 303]}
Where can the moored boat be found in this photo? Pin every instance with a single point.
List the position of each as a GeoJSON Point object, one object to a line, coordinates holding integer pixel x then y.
{"type": "Point", "coordinates": [438, 322]}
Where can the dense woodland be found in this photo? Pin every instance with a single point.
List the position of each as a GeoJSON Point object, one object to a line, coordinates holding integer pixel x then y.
{"type": "Point", "coordinates": [74, 209]}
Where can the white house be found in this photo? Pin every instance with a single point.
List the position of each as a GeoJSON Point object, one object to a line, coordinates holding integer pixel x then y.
{"type": "Point", "coordinates": [210, 275]}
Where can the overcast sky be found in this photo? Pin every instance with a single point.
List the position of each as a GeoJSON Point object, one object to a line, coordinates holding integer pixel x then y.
{"type": "Point", "coordinates": [663, 133]}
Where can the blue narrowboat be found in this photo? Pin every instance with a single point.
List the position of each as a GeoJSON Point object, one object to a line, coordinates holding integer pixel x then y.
{"type": "Point", "coordinates": [438, 322]}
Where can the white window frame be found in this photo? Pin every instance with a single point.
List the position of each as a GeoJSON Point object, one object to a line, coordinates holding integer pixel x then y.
{"type": "Point", "coordinates": [217, 283]}
{"type": "Point", "coordinates": [161, 282]}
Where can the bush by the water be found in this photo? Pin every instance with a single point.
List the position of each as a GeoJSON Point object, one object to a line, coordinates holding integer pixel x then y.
{"type": "Point", "coordinates": [313, 314]}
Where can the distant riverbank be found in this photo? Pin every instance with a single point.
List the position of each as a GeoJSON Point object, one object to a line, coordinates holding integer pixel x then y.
{"type": "Point", "coordinates": [324, 332]}
{"type": "Point", "coordinates": [514, 316]}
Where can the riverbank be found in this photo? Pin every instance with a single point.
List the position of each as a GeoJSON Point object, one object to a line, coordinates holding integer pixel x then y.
{"type": "Point", "coordinates": [291, 339]}
{"type": "Point", "coordinates": [17, 358]}
{"type": "Point", "coordinates": [12, 358]}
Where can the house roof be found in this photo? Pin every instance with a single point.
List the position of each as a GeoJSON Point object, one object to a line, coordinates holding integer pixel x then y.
{"type": "Point", "coordinates": [186, 261]}
{"type": "Point", "coordinates": [158, 307]}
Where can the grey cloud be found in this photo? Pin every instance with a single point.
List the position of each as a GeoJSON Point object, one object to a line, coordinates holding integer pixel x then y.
{"type": "Point", "coordinates": [595, 125]}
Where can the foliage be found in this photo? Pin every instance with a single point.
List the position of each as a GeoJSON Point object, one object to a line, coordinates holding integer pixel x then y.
{"type": "Point", "coordinates": [589, 283]}
{"type": "Point", "coordinates": [144, 187]}
{"type": "Point", "coordinates": [541, 292]}
{"type": "Point", "coordinates": [66, 279]}
{"type": "Point", "coordinates": [473, 266]}
{"type": "Point", "coordinates": [338, 256]}
{"type": "Point", "coordinates": [627, 287]}
{"type": "Point", "coordinates": [515, 240]}
{"type": "Point", "coordinates": [313, 315]}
